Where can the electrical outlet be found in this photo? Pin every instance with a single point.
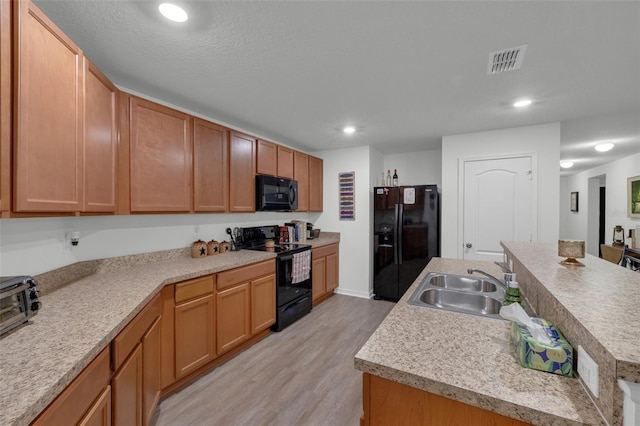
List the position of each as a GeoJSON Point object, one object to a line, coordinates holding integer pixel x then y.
{"type": "Point", "coordinates": [196, 230]}
{"type": "Point", "coordinates": [588, 369]}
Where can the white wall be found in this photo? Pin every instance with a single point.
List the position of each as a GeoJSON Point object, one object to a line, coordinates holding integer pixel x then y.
{"type": "Point", "coordinates": [414, 168]}
{"type": "Point", "coordinates": [543, 140]}
{"type": "Point", "coordinates": [614, 175]}
{"type": "Point", "coordinates": [355, 248]}
{"type": "Point", "coordinates": [37, 245]}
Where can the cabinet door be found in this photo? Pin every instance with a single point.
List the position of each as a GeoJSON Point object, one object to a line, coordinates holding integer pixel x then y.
{"type": "Point", "coordinates": [285, 162]}
{"type": "Point", "coordinates": [81, 395]}
{"type": "Point", "coordinates": [315, 184]}
{"type": "Point", "coordinates": [151, 370]}
{"type": "Point", "coordinates": [242, 173]}
{"type": "Point", "coordinates": [332, 272]}
{"type": "Point", "coordinates": [232, 317]}
{"type": "Point", "coordinates": [161, 158]}
{"type": "Point", "coordinates": [100, 141]}
{"type": "Point", "coordinates": [100, 412]}
{"type": "Point", "coordinates": [210, 167]}
{"type": "Point", "coordinates": [48, 138]}
{"type": "Point", "coordinates": [263, 303]}
{"type": "Point", "coordinates": [318, 278]}
{"type": "Point", "coordinates": [267, 163]}
{"type": "Point", "coordinates": [301, 174]}
{"type": "Point", "coordinates": [194, 334]}
{"type": "Point", "coordinates": [5, 105]}
{"type": "Point", "coordinates": [127, 390]}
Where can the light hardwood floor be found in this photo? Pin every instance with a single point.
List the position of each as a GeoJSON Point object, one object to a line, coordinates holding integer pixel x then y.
{"type": "Point", "coordinates": [303, 375]}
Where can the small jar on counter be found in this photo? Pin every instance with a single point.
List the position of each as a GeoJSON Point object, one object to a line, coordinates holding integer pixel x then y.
{"type": "Point", "coordinates": [212, 247]}
{"type": "Point", "coordinates": [199, 249]}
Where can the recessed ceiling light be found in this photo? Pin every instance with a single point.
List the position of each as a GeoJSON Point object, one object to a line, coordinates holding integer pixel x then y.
{"type": "Point", "coordinates": [604, 147]}
{"type": "Point", "coordinates": [566, 164]}
{"type": "Point", "coordinates": [522, 103]}
{"type": "Point", "coordinates": [173, 12]}
{"type": "Point", "coordinates": [349, 130]}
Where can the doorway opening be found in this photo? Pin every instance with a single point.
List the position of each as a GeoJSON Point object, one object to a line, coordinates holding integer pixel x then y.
{"type": "Point", "coordinates": [596, 214]}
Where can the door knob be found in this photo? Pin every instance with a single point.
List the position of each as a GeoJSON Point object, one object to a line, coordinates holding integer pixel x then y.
{"type": "Point", "coordinates": [469, 245]}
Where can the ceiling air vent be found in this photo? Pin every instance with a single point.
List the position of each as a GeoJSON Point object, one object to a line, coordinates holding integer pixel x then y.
{"type": "Point", "coordinates": [506, 60]}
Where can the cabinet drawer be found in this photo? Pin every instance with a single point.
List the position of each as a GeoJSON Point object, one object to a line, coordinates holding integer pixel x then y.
{"type": "Point", "coordinates": [324, 251]}
{"type": "Point", "coordinates": [128, 338]}
{"type": "Point", "coordinates": [78, 397]}
{"type": "Point", "coordinates": [246, 273]}
{"type": "Point", "coordinates": [194, 288]}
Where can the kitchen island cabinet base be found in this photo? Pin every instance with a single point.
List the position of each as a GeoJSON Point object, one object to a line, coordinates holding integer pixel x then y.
{"type": "Point", "coordinates": [387, 402]}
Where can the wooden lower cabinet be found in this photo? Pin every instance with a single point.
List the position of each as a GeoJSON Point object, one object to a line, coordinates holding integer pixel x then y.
{"type": "Point", "coordinates": [263, 303]}
{"type": "Point", "coordinates": [325, 271]}
{"type": "Point", "coordinates": [83, 397]}
{"type": "Point", "coordinates": [127, 390]}
{"type": "Point", "coordinates": [137, 361]}
{"type": "Point", "coordinates": [100, 412]}
{"type": "Point", "coordinates": [386, 402]}
{"type": "Point", "coordinates": [195, 334]}
{"type": "Point", "coordinates": [245, 303]}
{"type": "Point", "coordinates": [232, 317]}
{"type": "Point", "coordinates": [151, 365]}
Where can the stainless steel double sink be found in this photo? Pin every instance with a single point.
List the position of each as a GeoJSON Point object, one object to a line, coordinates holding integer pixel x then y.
{"type": "Point", "coordinates": [459, 293]}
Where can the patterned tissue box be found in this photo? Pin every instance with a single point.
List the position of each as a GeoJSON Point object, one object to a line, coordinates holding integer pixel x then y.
{"type": "Point", "coordinates": [556, 357]}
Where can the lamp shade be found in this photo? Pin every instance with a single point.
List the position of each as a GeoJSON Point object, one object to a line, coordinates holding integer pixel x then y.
{"type": "Point", "coordinates": [571, 249]}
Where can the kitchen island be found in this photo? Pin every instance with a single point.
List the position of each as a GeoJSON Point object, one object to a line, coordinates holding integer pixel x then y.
{"type": "Point", "coordinates": [470, 359]}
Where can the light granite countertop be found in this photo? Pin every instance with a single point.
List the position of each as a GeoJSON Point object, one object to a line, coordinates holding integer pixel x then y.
{"type": "Point", "coordinates": [79, 318]}
{"type": "Point", "coordinates": [595, 306]}
{"type": "Point", "coordinates": [470, 359]}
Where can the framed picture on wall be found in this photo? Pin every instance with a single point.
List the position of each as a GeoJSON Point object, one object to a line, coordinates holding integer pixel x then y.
{"type": "Point", "coordinates": [633, 197]}
{"type": "Point", "coordinates": [574, 201]}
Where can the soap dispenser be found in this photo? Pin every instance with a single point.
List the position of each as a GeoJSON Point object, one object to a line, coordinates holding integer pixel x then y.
{"type": "Point", "coordinates": [513, 290]}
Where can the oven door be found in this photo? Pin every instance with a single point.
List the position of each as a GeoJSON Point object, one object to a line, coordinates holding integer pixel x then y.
{"type": "Point", "coordinates": [287, 290]}
{"type": "Point", "coordinates": [14, 307]}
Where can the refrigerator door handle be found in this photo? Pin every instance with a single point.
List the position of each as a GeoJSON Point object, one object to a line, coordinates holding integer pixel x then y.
{"type": "Point", "coordinates": [395, 233]}
{"type": "Point", "coordinates": [399, 222]}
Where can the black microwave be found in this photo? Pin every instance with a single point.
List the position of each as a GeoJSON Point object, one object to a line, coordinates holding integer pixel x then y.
{"type": "Point", "coordinates": [276, 194]}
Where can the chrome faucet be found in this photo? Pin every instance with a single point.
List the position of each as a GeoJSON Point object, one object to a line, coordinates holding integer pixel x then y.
{"type": "Point", "coordinates": [504, 266]}
{"type": "Point", "coordinates": [491, 277]}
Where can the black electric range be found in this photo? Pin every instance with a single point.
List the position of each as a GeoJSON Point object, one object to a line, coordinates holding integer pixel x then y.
{"type": "Point", "coordinates": [293, 271]}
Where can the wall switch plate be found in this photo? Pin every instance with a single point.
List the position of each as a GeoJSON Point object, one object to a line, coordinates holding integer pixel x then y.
{"type": "Point", "coordinates": [588, 370]}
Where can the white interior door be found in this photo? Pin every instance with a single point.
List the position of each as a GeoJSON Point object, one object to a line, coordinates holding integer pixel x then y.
{"type": "Point", "coordinates": [498, 204]}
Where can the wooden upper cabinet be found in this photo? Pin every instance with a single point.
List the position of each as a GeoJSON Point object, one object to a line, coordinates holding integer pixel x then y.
{"type": "Point", "coordinates": [48, 133]}
{"type": "Point", "coordinates": [285, 162]}
{"type": "Point", "coordinates": [210, 167]}
{"type": "Point", "coordinates": [5, 105]}
{"type": "Point", "coordinates": [267, 163]}
{"type": "Point", "coordinates": [100, 140]}
{"type": "Point", "coordinates": [315, 184]}
{"type": "Point", "coordinates": [242, 172]}
{"type": "Point", "coordinates": [160, 157]}
{"type": "Point", "coordinates": [301, 174]}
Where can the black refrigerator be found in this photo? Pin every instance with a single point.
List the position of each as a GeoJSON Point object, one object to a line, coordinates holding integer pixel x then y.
{"type": "Point", "coordinates": [406, 235]}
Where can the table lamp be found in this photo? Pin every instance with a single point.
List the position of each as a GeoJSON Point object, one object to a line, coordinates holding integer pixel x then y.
{"type": "Point", "coordinates": [571, 249]}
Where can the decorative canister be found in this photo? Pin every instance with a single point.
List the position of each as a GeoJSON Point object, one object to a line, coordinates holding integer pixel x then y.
{"type": "Point", "coordinates": [213, 247]}
{"type": "Point", "coordinates": [199, 249]}
{"type": "Point", "coordinates": [225, 246]}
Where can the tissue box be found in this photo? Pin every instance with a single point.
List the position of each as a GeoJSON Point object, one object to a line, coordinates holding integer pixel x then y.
{"type": "Point", "coordinates": [556, 357]}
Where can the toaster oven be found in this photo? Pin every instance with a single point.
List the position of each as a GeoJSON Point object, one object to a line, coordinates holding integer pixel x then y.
{"type": "Point", "coordinates": [19, 301]}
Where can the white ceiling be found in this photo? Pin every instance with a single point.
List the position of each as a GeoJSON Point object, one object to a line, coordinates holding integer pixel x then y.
{"type": "Point", "coordinates": [404, 73]}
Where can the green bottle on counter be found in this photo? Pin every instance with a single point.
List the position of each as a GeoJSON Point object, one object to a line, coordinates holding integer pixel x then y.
{"type": "Point", "coordinates": [513, 294]}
